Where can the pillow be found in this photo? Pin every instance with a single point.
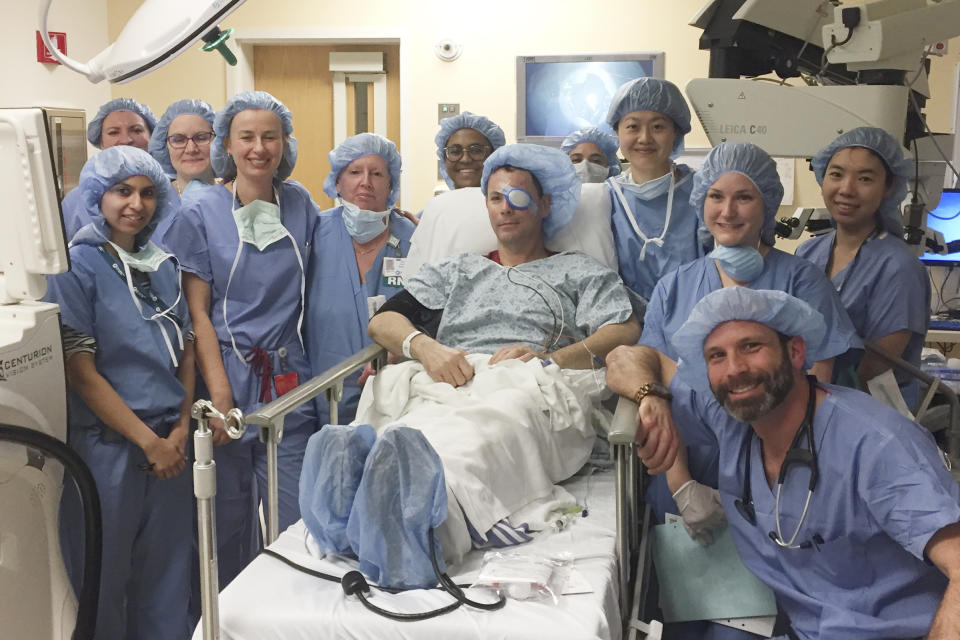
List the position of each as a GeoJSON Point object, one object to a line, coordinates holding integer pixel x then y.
{"type": "Point", "coordinates": [457, 222]}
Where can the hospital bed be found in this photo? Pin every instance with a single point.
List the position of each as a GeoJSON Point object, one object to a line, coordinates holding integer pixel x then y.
{"type": "Point", "coordinates": [271, 599]}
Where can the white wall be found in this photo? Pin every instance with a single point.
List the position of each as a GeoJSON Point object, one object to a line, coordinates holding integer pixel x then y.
{"type": "Point", "coordinates": [28, 83]}
{"type": "Point", "coordinates": [482, 80]}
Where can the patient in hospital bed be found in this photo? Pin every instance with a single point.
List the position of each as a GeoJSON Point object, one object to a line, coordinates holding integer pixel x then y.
{"type": "Point", "coordinates": [501, 386]}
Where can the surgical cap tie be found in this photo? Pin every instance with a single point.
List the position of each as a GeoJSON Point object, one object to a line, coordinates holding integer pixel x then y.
{"type": "Point", "coordinates": [633, 220]}
{"type": "Point", "coordinates": [233, 270]}
{"type": "Point", "coordinates": [125, 261]}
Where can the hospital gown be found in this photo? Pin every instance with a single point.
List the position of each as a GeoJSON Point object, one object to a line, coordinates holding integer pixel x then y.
{"type": "Point", "coordinates": [674, 298]}
{"type": "Point", "coordinates": [883, 491]}
{"type": "Point", "coordinates": [517, 427]}
{"type": "Point", "coordinates": [545, 304]}
{"type": "Point", "coordinates": [885, 289]}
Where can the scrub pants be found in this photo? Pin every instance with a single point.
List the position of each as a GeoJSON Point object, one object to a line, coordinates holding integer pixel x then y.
{"type": "Point", "coordinates": [145, 575]}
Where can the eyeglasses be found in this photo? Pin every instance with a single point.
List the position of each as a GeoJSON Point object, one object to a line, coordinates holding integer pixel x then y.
{"type": "Point", "coordinates": [179, 141]}
{"type": "Point", "coordinates": [476, 151]}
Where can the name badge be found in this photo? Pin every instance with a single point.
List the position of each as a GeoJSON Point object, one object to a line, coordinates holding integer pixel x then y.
{"type": "Point", "coordinates": [393, 271]}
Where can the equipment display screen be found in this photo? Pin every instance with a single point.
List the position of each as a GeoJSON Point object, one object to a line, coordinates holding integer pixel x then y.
{"type": "Point", "coordinates": [945, 219]}
{"type": "Point", "coordinates": [557, 96]}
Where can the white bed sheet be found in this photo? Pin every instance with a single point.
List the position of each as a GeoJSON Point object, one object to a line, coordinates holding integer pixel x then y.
{"type": "Point", "coordinates": [271, 601]}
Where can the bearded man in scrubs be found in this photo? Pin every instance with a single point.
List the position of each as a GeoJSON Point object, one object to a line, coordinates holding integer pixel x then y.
{"type": "Point", "coordinates": [843, 507]}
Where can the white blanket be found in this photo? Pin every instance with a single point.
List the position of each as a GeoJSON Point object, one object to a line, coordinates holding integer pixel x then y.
{"type": "Point", "coordinates": [505, 438]}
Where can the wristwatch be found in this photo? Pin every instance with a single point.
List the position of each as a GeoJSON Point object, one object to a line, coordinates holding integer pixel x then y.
{"type": "Point", "coordinates": [652, 388]}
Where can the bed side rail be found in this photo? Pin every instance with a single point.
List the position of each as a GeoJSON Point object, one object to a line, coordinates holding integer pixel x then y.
{"type": "Point", "coordinates": [270, 416]}
{"type": "Point", "coordinates": [632, 540]}
{"type": "Point", "coordinates": [935, 386]}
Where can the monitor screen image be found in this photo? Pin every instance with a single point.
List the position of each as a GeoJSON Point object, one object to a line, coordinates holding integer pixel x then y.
{"type": "Point", "coordinates": [945, 219]}
{"type": "Point", "coordinates": [560, 94]}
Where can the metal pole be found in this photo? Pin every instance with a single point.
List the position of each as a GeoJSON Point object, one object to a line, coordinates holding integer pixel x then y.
{"type": "Point", "coordinates": [271, 435]}
{"type": "Point", "coordinates": [205, 490]}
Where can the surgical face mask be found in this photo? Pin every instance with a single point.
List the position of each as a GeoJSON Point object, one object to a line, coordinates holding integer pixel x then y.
{"type": "Point", "coordinates": [363, 225]}
{"type": "Point", "coordinates": [648, 190]}
{"type": "Point", "coordinates": [743, 264]}
{"type": "Point", "coordinates": [591, 171]}
{"type": "Point", "coordinates": [147, 260]}
{"type": "Point", "coordinates": [259, 223]}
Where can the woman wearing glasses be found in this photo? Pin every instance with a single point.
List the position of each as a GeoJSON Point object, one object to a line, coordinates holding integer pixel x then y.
{"type": "Point", "coordinates": [458, 218]}
{"type": "Point", "coordinates": [463, 143]}
{"type": "Point", "coordinates": [359, 248]}
{"type": "Point", "coordinates": [181, 144]}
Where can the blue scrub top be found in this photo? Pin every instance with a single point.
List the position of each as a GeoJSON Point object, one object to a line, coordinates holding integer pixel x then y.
{"type": "Point", "coordinates": [264, 298]}
{"type": "Point", "coordinates": [685, 239]}
{"type": "Point", "coordinates": [883, 491]}
{"type": "Point", "coordinates": [335, 324]}
{"type": "Point", "coordinates": [676, 294]}
{"type": "Point", "coordinates": [884, 289]}
{"type": "Point", "coordinates": [131, 352]}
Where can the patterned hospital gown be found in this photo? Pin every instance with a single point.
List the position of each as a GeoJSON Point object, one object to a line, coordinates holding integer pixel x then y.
{"type": "Point", "coordinates": [545, 304]}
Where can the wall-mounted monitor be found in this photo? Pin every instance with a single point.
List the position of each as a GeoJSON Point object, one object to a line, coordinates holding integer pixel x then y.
{"type": "Point", "coordinates": [557, 95]}
{"type": "Point", "coordinates": [945, 219]}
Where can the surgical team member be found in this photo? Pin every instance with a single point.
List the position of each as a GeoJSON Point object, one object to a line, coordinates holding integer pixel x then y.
{"type": "Point", "coordinates": [181, 144]}
{"type": "Point", "coordinates": [654, 226]}
{"type": "Point", "coordinates": [122, 121]}
{"type": "Point", "coordinates": [736, 194]}
{"type": "Point", "coordinates": [593, 153]}
{"type": "Point", "coordinates": [357, 261]}
{"type": "Point", "coordinates": [130, 370]}
{"type": "Point", "coordinates": [863, 177]}
{"type": "Point", "coordinates": [244, 246]}
{"type": "Point", "coordinates": [839, 504]}
{"type": "Point", "coordinates": [463, 143]}
{"type": "Point", "coordinates": [457, 218]}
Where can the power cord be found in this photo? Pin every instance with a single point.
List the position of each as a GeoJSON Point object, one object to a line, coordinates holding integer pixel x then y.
{"type": "Point", "coordinates": [354, 583]}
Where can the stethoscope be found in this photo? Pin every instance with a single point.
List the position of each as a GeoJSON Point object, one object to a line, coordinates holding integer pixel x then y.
{"type": "Point", "coordinates": [796, 456]}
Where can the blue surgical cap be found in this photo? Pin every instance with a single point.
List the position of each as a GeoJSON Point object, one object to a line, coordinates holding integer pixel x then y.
{"type": "Point", "coordinates": [332, 467]}
{"type": "Point", "coordinates": [106, 169]}
{"type": "Point", "coordinates": [223, 164]}
{"type": "Point", "coordinates": [95, 128]}
{"type": "Point", "coordinates": [401, 498]}
{"type": "Point", "coordinates": [651, 94]}
{"type": "Point", "coordinates": [778, 310]}
{"type": "Point", "coordinates": [754, 163]}
{"type": "Point", "coordinates": [364, 144]}
{"type": "Point", "coordinates": [466, 120]}
{"type": "Point", "coordinates": [607, 142]}
{"type": "Point", "coordinates": [553, 170]}
{"type": "Point", "coordinates": [890, 151]}
{"type": "Point", "coordinates": [158, 141]}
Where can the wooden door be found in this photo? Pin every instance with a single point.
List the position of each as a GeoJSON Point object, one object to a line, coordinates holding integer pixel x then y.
{"type": "Point", "coordinates": [300, 77]}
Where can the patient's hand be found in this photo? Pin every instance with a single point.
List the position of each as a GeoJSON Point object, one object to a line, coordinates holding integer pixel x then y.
{"type": "Point", "coordinates": [514, 351]}
{"type": "Point", "coordinates": [657, 437]}
{"type": "Point", "coordinates": [443, 363]}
